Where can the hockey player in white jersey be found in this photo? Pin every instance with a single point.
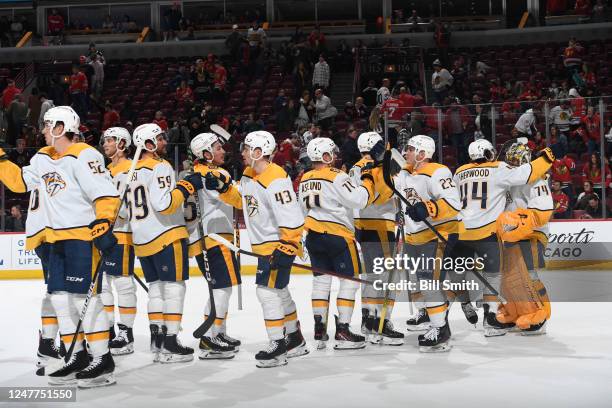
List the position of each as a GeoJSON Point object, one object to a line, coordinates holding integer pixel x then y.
{"type": "Point", "coordinates": [71, 179]}
{"type": "Point", "coordinates": [523, 229]}
{"type": "Point", "coordinates": [328, 197]}
{"type": "Point", "coordinates": [375, 232]}
{"type": "Point", "coordinates": [483, 184]}
{"type": "Point", "coordinates": [217, 217]}
{"type": "Point", "coordinates": [155, 202]}
{"type": "Point", "coordinates": [429, 188]}
{"type": "Point", "coordinates": [274, 222]}
{"type": "Point", "coordinates": [118, 268]}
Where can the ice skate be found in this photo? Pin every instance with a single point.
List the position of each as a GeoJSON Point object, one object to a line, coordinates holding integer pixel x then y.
{"type": "Point", "coordinates": [273, 356]}
{"type": "Point", "coordinates": [214, 348]}
{"type": "Point", "coordinates": [123, 343]}
{"type": "Point", "coordinates": [230, 340]}
{"type": "Point", "coordinates": [172, 351]}
{"type": "Point", "coordinates": [157, 338]}
{"type": "Point", "coordinates": [535, 330]}
{"type": "Point", "coordinates": [436, 340]}
{"type": "Point", "coordinates": [99, 373]}
{"type": "Point", "coordinates": [66, 373]}
{"type": "Point", "coordinates": [47, 351]}
{"type": "Point", "coordinates": [320, 332]}
{"type": "Point", "coordinates": [345, 339]}
{"type": "Point", "coordinates": [493, 327]}
{"type": "Point", "coordinates": [295, 344]}
{"type": "Point", "coordinates": [389, 336]}
{"type": "Point", "coordinates": [470, 313]}
{"type": "Point", "coordinates": [420, 322]}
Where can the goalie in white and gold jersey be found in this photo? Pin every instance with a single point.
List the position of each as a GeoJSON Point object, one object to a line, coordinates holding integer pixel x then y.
{"type": "Point", "coordinates": [523, 229]}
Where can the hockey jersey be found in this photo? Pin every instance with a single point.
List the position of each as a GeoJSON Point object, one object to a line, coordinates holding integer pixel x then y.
{"type": "Point", "coordinates": [380, 214]}
{"type": "Point", "coordinates": [74, 187]}
{"type": "Point", "coordinates": [328, 197]}
{"type": "Point", "coordinates": [154, 207]}
{"type": "Point", "coordinates": [36, 222]}
{"type": "Point", "coordinates": [217, 216]}
{"type": "Point", "coordinates": [272, 214]}
{"type": "Point", "coordinates": [537, 198]}
{"type": "Point", "coordinates": [122, 225]}
{"type": "Point", "coordinates": [483, 188]}
{"type": "Point", "coordinates": [433, 183]}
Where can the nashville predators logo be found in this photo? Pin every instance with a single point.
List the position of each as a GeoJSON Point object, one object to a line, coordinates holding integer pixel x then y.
{"type": "Point", "coordinates": [252, 205]}
{"type": "Point", "coordinates": [54, 183]}
{"type": "Point", "coordinates": [412, 196]}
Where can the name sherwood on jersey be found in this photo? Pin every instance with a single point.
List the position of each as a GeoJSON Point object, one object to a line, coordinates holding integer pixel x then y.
{"type": "Point", "coordinates": [473, 173]}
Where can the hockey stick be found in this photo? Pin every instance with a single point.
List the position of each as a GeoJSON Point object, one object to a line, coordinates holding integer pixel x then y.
{"type": "Point", "coordinates": [237, 243]}
{"type": "Point", "coordinates": [221, 132]}
{"type": "Point", "coordinates": [141, 283]}
{"type": "Point", "coordinates": [94, 278]}
{"type": "Point", "coordinates": [234, 248]}
{"type": "Point", "coordinates": [397, 157]}
{"type": "Point", "coordinates": [212, 315]}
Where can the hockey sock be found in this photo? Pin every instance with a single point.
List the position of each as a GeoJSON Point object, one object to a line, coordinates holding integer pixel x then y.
{"type": "Point", "coordinates": [174, 300]}
{"type": "Point", "coordinates": [48, 317]}
{"type": "Point", "coordinates": [321, 286]}
{"type": "Point", "coordinates": [67, 318]}
{"type": "Point", "coordinates": [346, 300]}
{"type": "Point", "coordinates": [126, 299]}
{"type": "Point", "coordinates": [221, 297]}
{"type": "Point", "coordinates": [290, 311]}
{"type": "Point", "coordinates": [437, 313]}
{"type": "Point", "coordinates": [95, 324]}
{"type": "Point", "coordinates": [489, 298]}
{"type": "Point", "coordinates": [155, 306]}
{"type": "Point", "coordinates": [108, 299]}
{"type": "Point", "coordinates": [273, 312]}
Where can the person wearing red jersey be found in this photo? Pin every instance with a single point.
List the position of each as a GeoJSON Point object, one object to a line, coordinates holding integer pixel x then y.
{"type": "Point", "coordinates": [78, 90]}
{"type": "Point", "coordinates": [219, 80]}
{"type": "Point", "coordinates": [562, 169]}
{"type": "Point", "coordinates": [55, 23]}
{"type": "Point", "coordinates": [407, 98]}
{"type": "Point", "coordinates": [592, 130]}
{"type": "Point", "coordinates": [560, 200]}
{"type": "Point", "coordinates": [592, 172]}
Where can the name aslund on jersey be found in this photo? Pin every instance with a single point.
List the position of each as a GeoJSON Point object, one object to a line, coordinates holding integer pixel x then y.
{"type": "Point", "coordinates": [252, 205]}
{"type": "Point", "coordinates": [54, 183]}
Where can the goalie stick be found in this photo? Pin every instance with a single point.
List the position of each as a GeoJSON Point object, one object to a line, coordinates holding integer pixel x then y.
{"type": "Point", "coordinates": [234, 248]}
{"type": "Point", "coordinates": [393, 154]}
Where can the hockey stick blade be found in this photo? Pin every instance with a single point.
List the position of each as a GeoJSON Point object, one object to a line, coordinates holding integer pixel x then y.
{"type": "Point", "coordinates": [234, 248]}
{"type": "Point", "coordinates": [221, 132]}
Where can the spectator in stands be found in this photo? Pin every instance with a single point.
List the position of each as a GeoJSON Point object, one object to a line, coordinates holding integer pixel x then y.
{"type": "Point", "coordinates": [256, 36]}
{"type": "Point", "coordinates": [442, 36]}
{"type": "Point", "coordinates": [253, 123]}
{"type": "Point", "coordinates": [592, 172]}
{"type": "Point", "coordinates": [572, 60]}
{"type": "Point", "coordinates": [350, 114]}
{"type": "Point", "coordinates": [160, 120]}
{"type": "Point", "coordinates": [306, 110]}
{"type": "Point", "coordinates": [562, 170]}
{"type": "Point", "coordinates": [441, 81]}
{"type": "Point", "coordinates": [16, 222]}
{"type": "Point", "coordinates": [108, 23]}
{"type": "Point", "coordinates": [312, 132]}
{"type": "Point", "coordinates": [383, 92]}
{"type": "Point", "coordinates": [577, 104]}
{"type": "Point", "coordinates": [18, 117]}
{"type": "Point", "coordinates": [599, 12]}
{"type": "Point", "coordinates": [45, 105]}
{"type": "Point", "coordinates": [457, 117]}
{"type": "Point", "coordinates": [583, 7]}
{"type": "Point", "coordinates": [97, 63]}
{"type": "Point", "coordinates": [561, 201]}
{"type": "Point", "coordinates": [414, 20]}
{"type": "Point", "coordinates": [525, 125]}
{"type": "Point", "coordinates": [592, 130]}
{"type": "Point", "coordinates": [538, 143]}
{"type": "Point", "coordinates": [582, 201]}
{"type": "Point", "coordinates": [593, 208]}
{"type": "Point", "coordinates": [179, 133]}
{"type": "Point", "coordinates": [184, 93]}
{"type": "Point", "coordinates": [286, 116]}
{"type": "Point", "coordinates": [317, 42]}
{"type": "Point", "coordinates": [344, 60]}
{"type": "Point", "coordinates": [8, 94]}
{"type": "Point", "coordinates": [232, 42]}
{"type": "Point", "coordinates": [284, 157]}
{"type": "Point", "coordinates": [369, 94]}
{"type": "Point", "coordinates": [78, 91]}
{"type": "Point", "coordinates": [350, 151]}
{"type": "Point", "coordinates": [55, 23]}
{"type": "Point", "coordinates": [219, 80]}
{"type": "Point", "coordinates": [326, 112]}
{"type": "Point", "coordinates": [111, 116]}
{"type": "Point", "coordinates": [302, 76]}
{"type": "Point", "coordinates": [361, 110]}
{"type": "Point", "coordinates": [482, 122]}
{"type": "Point", "coordinates": [321, 74]}
{"type": "Point", "coordinates": [20, 155]}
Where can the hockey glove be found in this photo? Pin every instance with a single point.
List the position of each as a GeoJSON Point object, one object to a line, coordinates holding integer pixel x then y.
{"type": "Point", "coordinates": [3, 155]}
{"type": "Point", "coordinates": [514, 226]}
{"type": "Point", "coordinates": [418, 212]}
{"type": "Point", "coordinates": [190, 184]}
{"type": "Point", "coordinates": [217, 182]}
{"type": "Point", "coordinates": [281, 260]}
{"type": "Point", "coordinates": [377, 153]}
{"type": "Point", "coordinates": [103, 237]}
{"type": "Point", "coordinates": [547, 154]}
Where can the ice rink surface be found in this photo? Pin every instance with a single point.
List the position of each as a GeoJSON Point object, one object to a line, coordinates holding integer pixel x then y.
{"type": "Point", "coordinates": [569, 367]}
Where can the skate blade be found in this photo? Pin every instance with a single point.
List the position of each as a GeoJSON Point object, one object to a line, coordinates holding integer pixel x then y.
{"type": "Point", "coordinates": [103, 380]}
{"type": "Point", "coordinates": [321, 344]}
{"type": "Point", "coordinates": [349, 345]}
{"type": "Point", "coordinates": [388, 341]}
{"type": "Point", "coordinates": [418, 327]}
{"type": "Point", "coordinates": [129, 349]}
{"type": "Point", "coordinates": [209, 355]}
{"type": "Point", "coordinates": [298, 351]}
{"type": "Point", "coordinates": [166, 358]}
{"type": "Point", "coordinates": [275, 362]}
{"type": "Point", "coordinates": [490, 332]}
{"type": "Point", "coordinates": [374, 338]}
{"type": "Point", "coordinates": [62, 381]}
{"type": "Point", "coordinates": [440, 348]}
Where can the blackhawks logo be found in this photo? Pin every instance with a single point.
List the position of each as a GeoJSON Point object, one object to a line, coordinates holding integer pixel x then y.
{"type": "Point", "coordinates": [252, 205]}
{"type": "Point", "coordinates": [54, 183]}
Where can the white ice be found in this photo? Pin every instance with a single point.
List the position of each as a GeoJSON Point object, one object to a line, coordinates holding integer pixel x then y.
{"type": "Point", "coordinates": [570, 366]}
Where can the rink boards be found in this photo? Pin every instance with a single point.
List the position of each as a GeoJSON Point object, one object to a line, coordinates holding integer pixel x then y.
{"type": "Point", "coordinates": [573, 244]}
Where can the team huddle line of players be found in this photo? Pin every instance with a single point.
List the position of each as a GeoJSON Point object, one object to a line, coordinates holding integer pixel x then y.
{"type": "Point", "coordinates": [77, 219]}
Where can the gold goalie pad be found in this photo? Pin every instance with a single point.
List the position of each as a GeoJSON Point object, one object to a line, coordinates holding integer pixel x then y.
{"type": "Point", "coordinates": [524, 307]}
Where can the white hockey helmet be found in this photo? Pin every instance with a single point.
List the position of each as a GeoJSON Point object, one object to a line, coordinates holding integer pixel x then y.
{"type": "Point", "coordinates": [203, 142]}
{"type": "Point", "coordinates": [64, 114]}
{"type": "Point", "coordinates": [318, 147]}
{"type": "Point", "coordinates": [147, 133]}
{"type": "Point", "coordinates": [423, 143]}
{"type": "Point", "coordinates": [481, 149]}
{"type": "Point", "coordinates": [119, 134]}
{"type": "Point", "coordinates": [367, 140]}
{"type": "Point", "coordinates": [260, 139]}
